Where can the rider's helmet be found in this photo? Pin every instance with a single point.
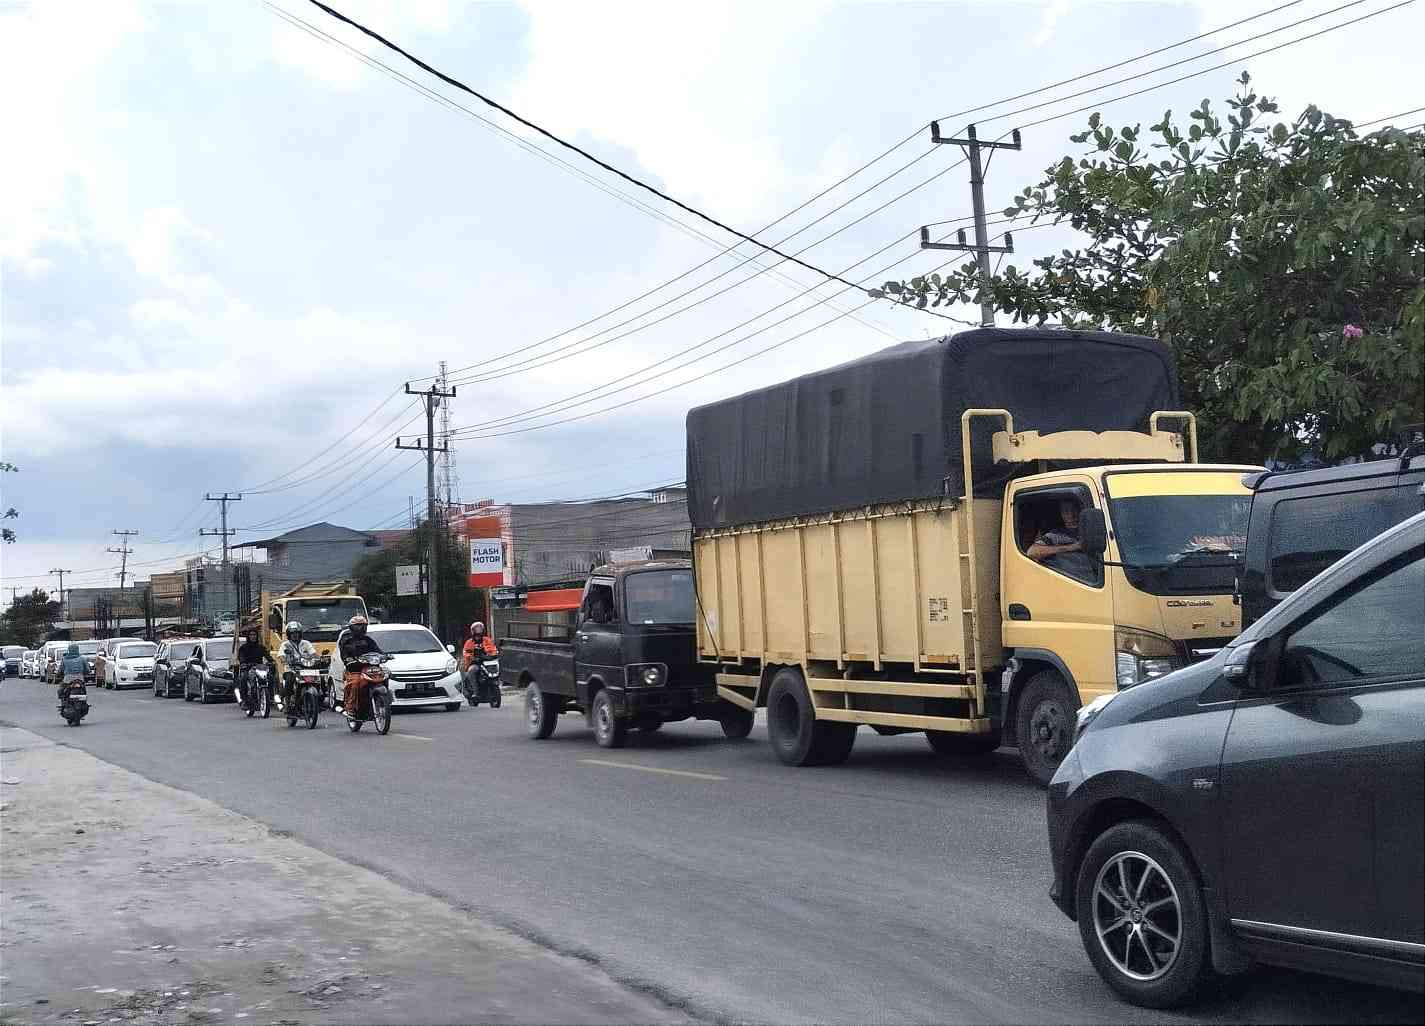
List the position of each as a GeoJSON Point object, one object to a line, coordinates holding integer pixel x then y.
{"type": "Point", "coordinates": [357, 626]}
{"type": "Point", "coordinates": [294, 630]}
{"type": "Point", "coordinates": [477, 629]}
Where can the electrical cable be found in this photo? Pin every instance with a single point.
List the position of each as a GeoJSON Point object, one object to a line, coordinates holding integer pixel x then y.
{"type": "Point", "coordinates": [1392, 117]}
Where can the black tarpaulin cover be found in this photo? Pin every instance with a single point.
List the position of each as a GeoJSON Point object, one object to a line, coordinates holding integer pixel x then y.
{"type": "Point", "coordinates": [886, 428]}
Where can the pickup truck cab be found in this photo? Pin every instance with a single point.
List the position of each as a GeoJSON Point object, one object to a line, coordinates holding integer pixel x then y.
{"type": "Point", "coordinates": [628, 659]}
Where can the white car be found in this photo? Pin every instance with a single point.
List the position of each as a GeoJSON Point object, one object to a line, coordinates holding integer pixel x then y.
{"type": "Point", "coordinates": [130, 665]}
{"type": "Point", "coordinates": [423, 672]}
{"type": "Point", "coordinates": [30, 664]}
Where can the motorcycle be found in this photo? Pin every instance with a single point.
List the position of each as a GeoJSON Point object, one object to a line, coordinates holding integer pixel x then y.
{"type": "Point", "coordinates": [255, 692]}
{"type": "Point", "coordinates": [375, 703]}
{"type": "Point", "coordinates": [305, 690]}
{"type": "Point", "coordinates": [481, 683]}
{"type": "Point", "coordinates": [73, 700]}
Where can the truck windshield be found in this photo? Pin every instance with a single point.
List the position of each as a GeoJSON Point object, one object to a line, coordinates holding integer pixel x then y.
{"type": "Point", "coordinates": [659, 597]}
{"type": "Point", "coordinates": [321, 619]}
{"type": "Point", "coordinates": [1180, 532]}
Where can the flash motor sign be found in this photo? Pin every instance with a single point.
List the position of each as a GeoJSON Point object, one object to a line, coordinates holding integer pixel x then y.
{"type": "Point", "coordinates": [487, 562]}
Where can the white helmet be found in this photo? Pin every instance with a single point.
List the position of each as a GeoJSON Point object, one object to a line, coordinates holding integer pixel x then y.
{"type": "Point", "coordinates": [294, 627]}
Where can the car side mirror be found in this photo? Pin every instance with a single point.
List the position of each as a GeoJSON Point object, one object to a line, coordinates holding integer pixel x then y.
{"type": "Point", "coordinates": [1253, 667]}
{"type": "Point", "coordinates": [450, 649]}
{"type": "Point", "coordinates": [1093, 531]}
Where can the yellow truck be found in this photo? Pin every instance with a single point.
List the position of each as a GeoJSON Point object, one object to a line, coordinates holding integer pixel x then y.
{"type": "Point", "coordinates": [321, 607]}
{"type": "Point", "coordinates": [970, 537]}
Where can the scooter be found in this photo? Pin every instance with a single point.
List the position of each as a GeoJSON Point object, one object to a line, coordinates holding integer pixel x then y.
{"type": "Point", "coordinates": [303, 697]}
{"type": "Point", "coordinates": [375, 703]}
{"type": "Point", "coordinates": [481, 683]}
{"type": "Point", "coordinates": [73, 700]}
{"type": "Point", "coordinates": [256, 692]}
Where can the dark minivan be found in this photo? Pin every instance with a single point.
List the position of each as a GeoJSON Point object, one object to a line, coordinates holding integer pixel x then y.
{"type": "Point", "coordinates": [1267, 804]}
{"type": "Point", "coordinates": [1303, 521]}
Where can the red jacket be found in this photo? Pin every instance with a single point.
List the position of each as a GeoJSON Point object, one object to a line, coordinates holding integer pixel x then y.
{"type": "Point", "coordinates": [467, 656]}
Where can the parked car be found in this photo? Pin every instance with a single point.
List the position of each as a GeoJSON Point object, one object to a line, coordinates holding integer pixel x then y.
{"type": "Point", "coordinates": [13, 655]}
{"type": "Point", "coordinates": [52, 654]}
{"type": "Point", "coordinates": [209, 678]}
{"type": "Point", "coordinates": [129, 664]}
{"type": "Point", "coordinates": [90, 651]}
{"type": "Point", "coordinates": [1304, 521]}
{"type": "Point", "coordinates": [423, 671]}
{"type": "Point", "coordinates": [30, 663]}
{"type": "Point", "coordinates": [170, 666]}
{"type": "Point", "coordinates": [102, 657]}
{"type": "Point", "coordinates": [1267, 804]}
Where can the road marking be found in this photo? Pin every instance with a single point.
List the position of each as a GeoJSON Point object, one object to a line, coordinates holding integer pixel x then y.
{"type": "Point", "coordinates": [413, 737]}
{"type": "Point", "coordinates": [653, 769]}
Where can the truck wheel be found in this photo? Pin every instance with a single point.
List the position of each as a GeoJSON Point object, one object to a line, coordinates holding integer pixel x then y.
{"type": "Point", "coordinates": [1044, 725]}
{"type": "Point", "coordinates": [833, 743]}
{"type": "Point", "coordinates": [796, 736]}
{"type": "Point", "coordinates": [952, 742]}
{"type": "Point", "coordinates": [540, 715]}
{"type": "Point", "coordinates": [737, 723]}
{"type": "Point", "coordinates": [609, 730]}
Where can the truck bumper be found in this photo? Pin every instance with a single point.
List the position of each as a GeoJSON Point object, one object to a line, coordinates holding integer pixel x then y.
{"type": "Point", "coordinates": [668, 703]}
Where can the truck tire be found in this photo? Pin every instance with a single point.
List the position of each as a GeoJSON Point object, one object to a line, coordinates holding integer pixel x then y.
{"type": "Point", "coordinates": [540, 715]}
{"type": "Point", "coordinates": [609, 730]}
{"type": "Point", "coordinates": [833, 743]}
{"type": "Point", "coordinates": [952, 742]}
{"type": "Point", "coordinates": [796, 735]}
{"type": "Point", "coordinates": [737, 723]}
{"type": "Point", "coordinates": [1044, 725]}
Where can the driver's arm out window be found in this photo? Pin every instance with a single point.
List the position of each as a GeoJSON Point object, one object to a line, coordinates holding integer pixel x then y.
{"type": "Point", "coordinates": [1373, 632]}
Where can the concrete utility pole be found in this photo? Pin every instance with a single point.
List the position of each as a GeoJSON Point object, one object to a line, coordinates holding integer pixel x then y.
{"type": "Point", "coordinates": [124, 553]}
{"type": "Point", "coordinates": [431, 397]}
{"type": "Point", "coordinates": [61, 584]}
{"type": "Point", "coordinates": [223, 532]}
{"type": "Point", "coordinates": [972, 145]}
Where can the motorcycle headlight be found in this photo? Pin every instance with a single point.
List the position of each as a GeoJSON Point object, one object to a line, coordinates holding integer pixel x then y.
{"type": "Point", "coordinates": [450, 666]}
{"type": "Point", "coordinates": [1142, 656]}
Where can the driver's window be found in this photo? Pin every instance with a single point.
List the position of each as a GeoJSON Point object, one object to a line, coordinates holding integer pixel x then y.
{"type": "Point", "coordinates": [599, 605]}
{"type": "Point", "coordinates": [1047, 531]}
{"type": "Point", "coordinates": [1370, 633]}
{"type": "Point", "coordinates": [274, 620]}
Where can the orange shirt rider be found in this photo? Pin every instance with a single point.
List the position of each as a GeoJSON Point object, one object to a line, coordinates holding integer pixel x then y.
{"type": "Point", "coordinates": [480, 641]}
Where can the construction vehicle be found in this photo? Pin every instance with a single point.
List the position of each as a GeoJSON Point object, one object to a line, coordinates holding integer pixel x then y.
{"type": "Point", "coordinates": [863, 536]}
{"type": "Point", "coordinates": [321, 607]}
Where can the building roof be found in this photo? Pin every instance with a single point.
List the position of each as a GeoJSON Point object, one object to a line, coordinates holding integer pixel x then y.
{"type": "Point", "coordinates": [319, 532]}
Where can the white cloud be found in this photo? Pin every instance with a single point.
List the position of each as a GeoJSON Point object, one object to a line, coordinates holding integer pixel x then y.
{"type": "Point", "coordinates": [1054, 11]}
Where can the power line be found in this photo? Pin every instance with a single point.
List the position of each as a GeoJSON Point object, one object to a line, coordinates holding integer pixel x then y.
{"type": "Point", "coordinates": [457, 84]}
{"type": "Point", "coordinates": [264, 486]}
{"type": "Point", "coordinates": [1392, 117]}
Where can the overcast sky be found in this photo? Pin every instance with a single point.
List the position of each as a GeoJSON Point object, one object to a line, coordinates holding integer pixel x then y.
{"type": "Point", "coordinates": [225, 242]}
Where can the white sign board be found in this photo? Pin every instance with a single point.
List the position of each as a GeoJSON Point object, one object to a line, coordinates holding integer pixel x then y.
{"type": "Point", "coordinates": [408, 580]}
{"type": "Point", "coordinates": [487, 557]}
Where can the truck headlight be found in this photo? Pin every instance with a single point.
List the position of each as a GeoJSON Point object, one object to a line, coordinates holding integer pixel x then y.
{"type": "Point", "coordinates": [645, 675]}
{"type": "Point", "coordinates": [1142, 656]}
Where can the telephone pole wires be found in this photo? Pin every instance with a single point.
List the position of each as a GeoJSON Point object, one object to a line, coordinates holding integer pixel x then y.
{"type": "Point", "coordinates": [61, 583]}
{"type": "Point", "coordinates": [223, 532]}
{"type": "Point", "coordinates": [972, 145]}
{"type": "Point", "coordinates": [124, 553]}
{"type": "Point", "coordinates": [431, 398]}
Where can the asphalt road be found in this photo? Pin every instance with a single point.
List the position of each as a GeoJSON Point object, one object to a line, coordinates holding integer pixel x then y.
{"type": "Point", "coordinates": [898, 888]}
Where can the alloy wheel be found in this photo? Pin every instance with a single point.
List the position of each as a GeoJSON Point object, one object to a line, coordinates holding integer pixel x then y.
{"type": "Point", "coordinates": [1137, 916]}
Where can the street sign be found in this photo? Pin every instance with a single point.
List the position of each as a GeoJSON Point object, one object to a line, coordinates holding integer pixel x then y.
{"type": "Point", "coordinates": [409, 580]}
{"type": "Point", "coordinates": [487, 562]}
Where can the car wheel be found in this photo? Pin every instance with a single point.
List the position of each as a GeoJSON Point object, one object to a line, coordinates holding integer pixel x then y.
{"type": "Point", "coordinates": [541, 715]}
{"type": "Point", "coordinates": [1142, 917]}
{"type": "Point", "coordinates": [952, 742]}
{"type": "Point", "coordinates": [452, 706]}
{"type": "Point", "coordinates": [1044, 725]}
{"type": "Point", "coordinates": [737, 723]}
{"type": "Point", "coordinates": [609, 730]}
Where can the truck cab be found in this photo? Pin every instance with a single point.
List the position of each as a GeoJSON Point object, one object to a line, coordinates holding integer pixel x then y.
{"type": "Point", "coordinates": [322, 608]}
{"type": "Point", "coordinates": [627, 659]}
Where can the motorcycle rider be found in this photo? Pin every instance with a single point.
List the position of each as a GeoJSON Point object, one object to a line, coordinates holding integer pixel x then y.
{"type": "Point", "coordinates": [295, 651]}
{"type": "Point", "coordinates": [71, 666]}
{"type": "Point", "coordinates": [477, 647]}
{"type": "Point", "coordinates": [250, 653]}
{"type": "Point", "coordinates": [351, 646]}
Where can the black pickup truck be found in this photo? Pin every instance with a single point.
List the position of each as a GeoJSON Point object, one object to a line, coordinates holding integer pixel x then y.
{"type": "Point", "coordinates": [628, 659]}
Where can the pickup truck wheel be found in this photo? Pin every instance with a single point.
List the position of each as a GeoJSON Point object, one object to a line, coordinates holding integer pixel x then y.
{"type": "Point", "coordinates": [737, 723]}
{"type": "Point", "coordinates": [952, 742]}
{"type": "Point", "coordinates": [1044, 725]}
{"type": "Point", "coordinates": [609, 730]}
{"type": "Point", "coordinates": [541, 716]}
{"type": "Point", "coordinates": [791, 721]}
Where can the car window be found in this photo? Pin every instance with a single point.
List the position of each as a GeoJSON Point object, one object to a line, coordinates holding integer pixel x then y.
{"type": "Point", "coordinates": [1370, 632]}
{"type": "Point", "coordinates": [599, 605]}
{"type": "Point", "coordinates": [1309, 534]}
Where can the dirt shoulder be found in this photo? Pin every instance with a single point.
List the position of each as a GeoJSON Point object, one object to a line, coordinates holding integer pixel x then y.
{"type": "Point", "coordinates": [125, 900]}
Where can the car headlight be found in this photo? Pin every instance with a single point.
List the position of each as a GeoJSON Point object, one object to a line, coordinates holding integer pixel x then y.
{"type": "Point", "coordinates": [450, 666]}
{"type": "Point", "coordinates": [1090, 712]}
{"type": "Point", "coordinates": [1142, 656]}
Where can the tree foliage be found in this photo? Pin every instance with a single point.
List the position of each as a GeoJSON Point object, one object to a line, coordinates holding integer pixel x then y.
{"type": "Point", "coordinates": [29, 619]}
{"type": "Point", "coordinates": [374, 577]}
{"type": "Point", "coordinates": [1284, 263]}
{"type": "Point", "coordinates": [11, 512]}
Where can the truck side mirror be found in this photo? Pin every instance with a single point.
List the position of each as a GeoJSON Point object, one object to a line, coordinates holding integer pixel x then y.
{"type": "Point", "coordinates": [1093, 531]}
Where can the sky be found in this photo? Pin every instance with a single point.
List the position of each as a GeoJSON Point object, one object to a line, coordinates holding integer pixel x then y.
{"type": "Point", "coordinates": [227, 243]}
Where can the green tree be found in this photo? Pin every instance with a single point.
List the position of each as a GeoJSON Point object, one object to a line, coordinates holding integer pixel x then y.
{"type": "Point", "coordinates": [375, 579]}
{"type": "Point", "coordinates": [29, 619]}
{"type": "Point", "coordinates": [1284, 264]}
{"type": "Point", "coordinates": [10, 513]}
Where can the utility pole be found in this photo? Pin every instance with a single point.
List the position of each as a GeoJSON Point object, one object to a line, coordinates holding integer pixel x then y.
{"type": "Point", "coordinates": [972, 145]}
{"type": "Point", "coordinates": [431, 398]}
{"type": "Point", "coordinates": [223, 532]}
{"type": "Point", "coordinates": [124, 552]}
{"type": "Point", "coordinates": [449, 476]}
{"type": "Point", "coordinates": [61, 584]}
